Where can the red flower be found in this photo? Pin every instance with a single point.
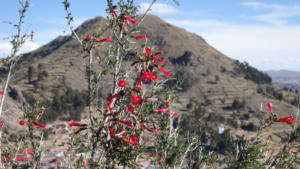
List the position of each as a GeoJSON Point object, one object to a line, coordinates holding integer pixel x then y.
{"type": "Point", "coordinates": [40, 125]}
{"type": "Point", "coordinates": [162, 110]}
{"type": "Point", "coordinates": [140, 37]}
{"type": "Point", "coordinates": [88, 37]}
{"type": "Point", "coordinates": [72, 123]}
{"type": "Point", "coordinates": [289, 119]}
{"type": "Point", "coordinates": [122, 83]}
{"type": "Point", "coordinates": [145, 127]}
{"type": "Point", "coordinates": [29, 151]}
{"type": "Point", "coordinates": [130, 19]}
{"type": "Point", "coordinates": [1, 93]}
{"type": "Point", "coordinates": [22, 122]}
{"type": "Point", "coordinates": [138, 86]}
{"type": "Point", "coordinates": [129, 109]}
{"type": "Point", "coordinates": [174, 114]}
{"type": "Point", "coordinates": [155, 129]}
{"type": "Point", "coordinates": [121, 134]}
{"type": "Point", "coordinates": [135, 99]}
{"type": "Point", "coordinates": [158, 53]}
{"type": "Point", "coordinates": [148, 51]}
{"type": "Point", "coordinates": [133, 139]}
{"type": "Point", "coordinates": [109, 106]}
{"type": "Point", "coordinates": [146, 76]}
{"type": "Point", "coordinates": [108, 39]}
{"type": "Point", "coordinates": [164, 71]}
{"type": "Point", "coordinates": [84, 165]}
{"type": "Point", "coordinates": [79, 130]}
{"type": "Point", "coordinates": [126, 140]}
{"type": "Point", "coordinates": [115, 13]}
{"type": "Point", "coordinates": [270, 107]}
{"type": "Point", "coordinates": [160, 60]}
{"type": "Point", "coordinates": [159, 162]}
{"type": "Point", "coordinates": [111, 131]}
{"type": "Point", "coordinates": [110, 98]}
{"type": "Point", "coordinates": [153, 77]}
{"type": "Point", "coordinates": [127, 123]}
{"type": "Point", "coordinates": [1, 123]}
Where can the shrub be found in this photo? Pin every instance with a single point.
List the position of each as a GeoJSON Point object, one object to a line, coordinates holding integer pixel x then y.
{"type": "Point", "coordinates": [251, 73]}
{"type": "Point", "coordinates": [249, 127]}
{"type": "Point", "coordinates": [237, 104]}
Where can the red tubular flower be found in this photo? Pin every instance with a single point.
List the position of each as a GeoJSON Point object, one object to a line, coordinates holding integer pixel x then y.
{"type": "Point", "coordinates": [174, 114]}
{"type": "Point", "coordinates": [84, 165]}
{"type": "Point", "coordinates": [88, 37]}
{"type": "Point", "coordinates": [122, 83]}
{"type": "Point", "coordinates": [162, 110]}
{"type": "Point", "coordinates": [130, 19]}
{"type": "Point", "coordinates": [29, 151]}
{"type": "Point", "coordinates": [153, 77]}
{"type": "Point", "coordinates": [40, 125]}
{"type": "Point", "coordinates": [22, 122]}
{"type": "Point", "coordinates": [129, 109]}
{"type": "Point", "coordinates": [146, 76]}
{"type": "Point", "coordinates": [115, 13]}
{"type": "Point", "coordinates": [148, 51]}
{"type": "Point", "coordinates": [138, 86]}
{"type": "Point", "coordinates": [167, 104]}
{"type": "Point", "coordinates": [164, 71]}
{"type": "Point", "coordinates": [158, 53]}
{"type": "Point", "coordinates": [160, 60]}
{"type": "Point", "coordinates": [110, 98]}
{"type": "Point", "coordinates": [140, 37]}
{"type": "Point", "coordinates": [1, 93]}
{"type": "Point", "coordinates": [79, 130]}
{"type": "Point", "coordinates": [111, 131]}
{"type": "Point", "coordinates": [135, 99]}
{"type": "Point", "coordinates": [127, 123]}
{"type": "Point", "coordinates": [145, 127]}
{"type": "Point", "coordinates": [121, 134]}
{"type": "Point", "coordinates": [270, 107]}
{"type": "Point", "coordinates": [1, 123]}
{"type": "Point", "coordinates": [72, 123]}
{"type": "Point", "coordinates": [159, 162]}
{"type": "Point", "coordinates": [289, 119]}
{"type": "Point", "coordinates": [133, 139]}
{"type": "Point", "coordinates": [108, 39]}
{"type": "Point", "coordinates": [109, 106]}
{"type": "Point", "coordinates": [155, 129]}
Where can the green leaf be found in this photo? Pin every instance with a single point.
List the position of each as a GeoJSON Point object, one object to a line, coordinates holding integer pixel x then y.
{"type": "Point", "coordinates": [104, 72]}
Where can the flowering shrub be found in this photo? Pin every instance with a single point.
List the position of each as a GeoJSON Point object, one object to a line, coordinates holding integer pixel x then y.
{"type": "Point", "coordinates": [137, 105]}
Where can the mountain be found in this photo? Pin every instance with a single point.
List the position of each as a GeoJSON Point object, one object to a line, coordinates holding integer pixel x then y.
{"type": "Point", "coordinates": [285, 78]}
{"type": "Point", "coordinates": [214, 88]}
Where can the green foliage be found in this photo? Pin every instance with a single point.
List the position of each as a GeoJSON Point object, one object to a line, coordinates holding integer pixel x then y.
{"type": "Point", "coordinates": [42, 75]}
{"type": "Point", "coordinates": [249, 127]}
{"type": "Point", "coordinates": [276, 93]}
{"type": "Point", "coordinates": [184, 79]}
{"type": "Point", "coordinates": [68, 104]}
{"type": "Point", "coordinates": [31, 71]}
{"type": "Point", "coordinates": [252, 73]}
{"type": "Point", "coordinates": [237, 104]}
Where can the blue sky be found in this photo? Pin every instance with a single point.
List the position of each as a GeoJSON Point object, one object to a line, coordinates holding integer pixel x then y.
{"type": "Point", "coordinates": [265, 33]}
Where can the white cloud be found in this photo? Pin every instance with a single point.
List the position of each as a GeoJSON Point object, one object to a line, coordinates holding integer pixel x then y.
{"type": "Point", "coordinates": [276, 14]}
{"type": "Point", "coordinates": [5, 48]}
{"type": "Point", "coordinates": [265, 47]}
{"type": "Point", "coordinates": [158, 8]}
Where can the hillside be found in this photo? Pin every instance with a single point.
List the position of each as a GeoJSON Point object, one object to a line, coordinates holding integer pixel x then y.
{"type": "Point", "coordinates": [211, 81]}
